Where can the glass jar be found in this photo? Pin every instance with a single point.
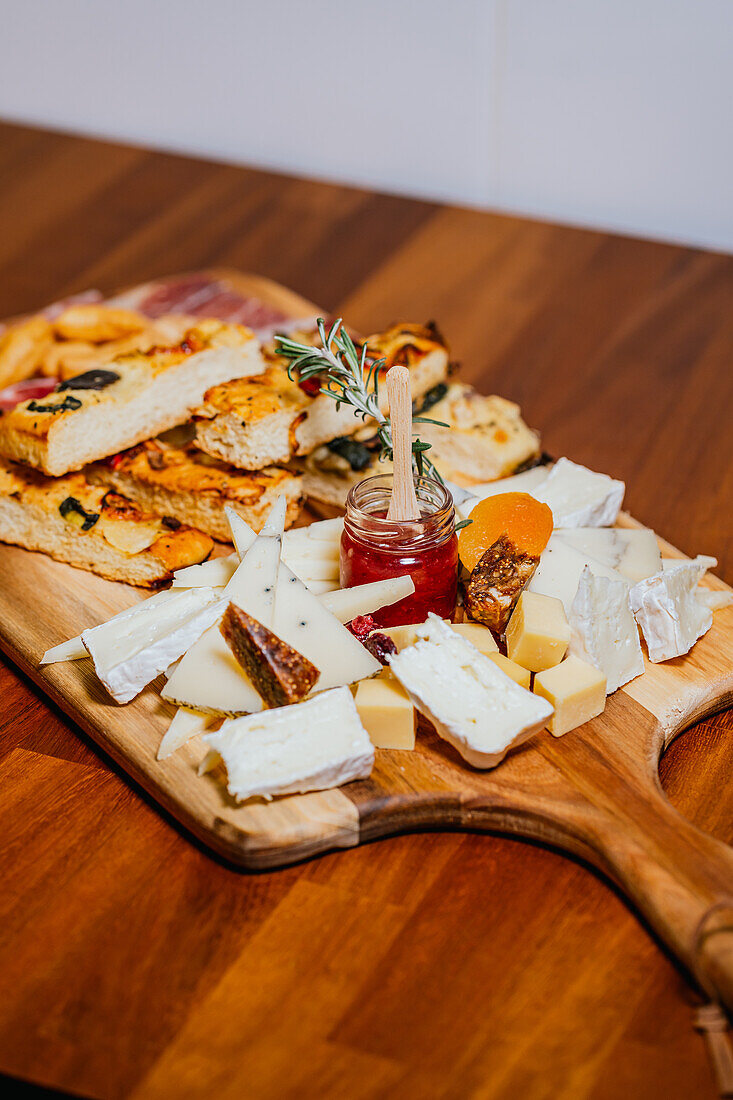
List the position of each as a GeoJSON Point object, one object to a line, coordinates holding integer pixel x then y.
{"type": "Point", "coordinates": [374, 548]}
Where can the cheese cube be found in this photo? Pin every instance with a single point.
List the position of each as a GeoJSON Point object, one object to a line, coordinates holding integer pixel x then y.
{"type": "Point", "coordinates": [480, 636]}
{"type": "Point", "coordinates": [402, 636]}
{"type": "Point", "coordinates": [576, 690]}
{"type": "Point", "coordinates": [538, 633]}
{"type": "Point", "coordinates": [386, 713]}
{"type": "Point", "coordinates": [520, 675]}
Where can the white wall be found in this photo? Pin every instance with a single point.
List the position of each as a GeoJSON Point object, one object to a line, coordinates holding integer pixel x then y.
{"type": "Point", "coordinates": [614, 113]}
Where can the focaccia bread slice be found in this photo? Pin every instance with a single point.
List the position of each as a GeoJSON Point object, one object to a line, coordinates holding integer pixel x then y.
{"type": "Point", "coordinates": [486, 439]}
{"type": "Point", "coordinates": [269, 419]}
{"type": "Point", "coordinates": [134, 397]}
{"type": "Point", "coordinates": [94, 528]}
{"type": "Point", "coordinates": [195, 488]}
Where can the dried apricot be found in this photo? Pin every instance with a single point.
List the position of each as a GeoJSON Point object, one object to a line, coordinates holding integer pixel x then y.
{"type": "Point", "coordinates": [526, 522]}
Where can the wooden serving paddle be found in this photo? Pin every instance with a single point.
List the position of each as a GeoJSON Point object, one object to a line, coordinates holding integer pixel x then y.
{"type": "Point", "coordinates": [403, 505]}
{"type": "Point", "coordinates": [594, 793]}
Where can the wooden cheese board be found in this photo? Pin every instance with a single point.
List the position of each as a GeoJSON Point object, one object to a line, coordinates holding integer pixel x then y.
{"type": "Point", "coordinates": [594, 793]}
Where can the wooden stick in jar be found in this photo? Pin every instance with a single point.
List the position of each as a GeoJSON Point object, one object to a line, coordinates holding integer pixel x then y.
{"type": "Point", "coordinates": [403, 505]}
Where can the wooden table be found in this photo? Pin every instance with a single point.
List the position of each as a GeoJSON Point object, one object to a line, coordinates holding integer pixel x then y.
{"type": "Point", "coordinates": [452, 966]}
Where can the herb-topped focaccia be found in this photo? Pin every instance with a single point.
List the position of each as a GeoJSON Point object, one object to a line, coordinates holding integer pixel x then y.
{"type": "Point", "coordinates": [94, 528]}
{"type": "Point", "coordinates": [135, 396]}
{"type": "Point", "coordinates": [486, 439]}
{"type": "Point", "coordinates": [258, 421]}
{"type": "Point", "coordinates": [195, 488]}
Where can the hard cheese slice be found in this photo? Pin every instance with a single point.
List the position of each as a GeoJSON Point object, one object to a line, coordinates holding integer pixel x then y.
{"type": "Point", "coordinates": [209, 678]}
{"type": "Point", "coordinates": [633, 552]}
{"type": "Point", "coordinates": [364, 599]}
{"type": "Point", "coordinates": [469, 700]}
{"type": "Point", "coordinates": [560, 569]}
{"type": "Point", "coordinates": [74, 648]}
{"type": "Point", "coordinates": [303, 622]}
{"type": "Point", "coordinates": [128, 654]}
{"type": "Point", "coordinates": [603, 631]}
{"type": "Point", "coordinates": [215, 573]}
{"type": "Point", "coordinates": [185, 725]}
{"type": "Point", "coordinates": [308, 746]}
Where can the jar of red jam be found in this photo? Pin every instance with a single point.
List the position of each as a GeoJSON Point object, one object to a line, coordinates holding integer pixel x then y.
{"type": "Point", "coordinates": [374, 548]}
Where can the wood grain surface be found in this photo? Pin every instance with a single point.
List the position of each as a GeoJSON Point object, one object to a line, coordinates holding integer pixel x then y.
{"type": "Point", "coordinates": [437, 965]}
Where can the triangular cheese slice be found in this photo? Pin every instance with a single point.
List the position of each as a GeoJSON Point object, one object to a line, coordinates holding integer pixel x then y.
{"type": "Point", "coordinates": [209, 678]}
{"type": "Point", "coordinates": [303, 622]}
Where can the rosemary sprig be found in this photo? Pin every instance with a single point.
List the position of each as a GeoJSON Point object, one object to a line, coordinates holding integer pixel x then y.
{"type": "Point", "coordinates": [350, 381]}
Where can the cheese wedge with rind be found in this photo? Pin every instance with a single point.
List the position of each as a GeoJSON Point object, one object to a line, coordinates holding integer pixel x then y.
{"type": "Point", "coordinates": [74, 649]}
{"type": "Point", "coordinates": [470, 701]}
{"type": "Point", "coordinates": [580, 497]}
{"type": "Point", "coordinates": [208, 677]}
{"type": "Point", "coordinates": [560, 569]}
{"type": "Point", "coordinates": [309, 746]}
{"type": "Point", "coordinates": [603, 630]}
{"type": "Point", "coordinates": [304, 622]}
{"type": "Point", "coordinates": [667, 608]}
{"type": "Point", "coordinates": [127, 655]}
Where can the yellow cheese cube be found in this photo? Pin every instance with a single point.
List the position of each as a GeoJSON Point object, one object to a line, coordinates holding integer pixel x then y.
{"type": "Point", "coordinates": [576, 690]}
{"type": "Point", "coordinates": [510, 668]}
{"type": "Point", "coordinates": [386, 713]}
{"type": "Point", "coordinates": [402, 636]}
{"type": "Point", "coordinates": [538, 633]}
{"type": "Point", "coordinates": [477, 635]}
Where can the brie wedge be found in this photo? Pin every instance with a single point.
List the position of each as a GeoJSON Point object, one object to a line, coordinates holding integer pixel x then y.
{"type": "Point", "coordinates": [603, 630]}
{"type": "Point", "coordinates": [74, 649]}
{"type": "Point", "coordinates": [470, 701]}
{"type": "Point", "coordinates": [308, 746]}
{"type": "Point", "coordinates": [579, 497]}
{"type": "Point", "coordinates": [128, 654]}
{"type": "Point", "coordinates": [668, 610]}
{"type": "Point", "coordinates": [560, 569]}
{"type": "Point", "coordinates": [634, 552]}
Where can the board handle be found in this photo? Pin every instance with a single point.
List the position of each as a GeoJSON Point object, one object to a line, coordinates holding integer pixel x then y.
{"type": "Point", "coordinates": [681, 880]}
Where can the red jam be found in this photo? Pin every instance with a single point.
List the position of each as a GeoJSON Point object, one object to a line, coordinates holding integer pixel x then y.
{"type": "Point", "coordinates": [374, 548]}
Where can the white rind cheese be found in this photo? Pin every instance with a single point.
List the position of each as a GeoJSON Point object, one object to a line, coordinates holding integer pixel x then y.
{"type": "Point", "coordinates": [668, 610]}
{"type": "Point", "coordinates": [127, 655]}
{"type": "Point", "coordinates": [580, 497]}
{"type": "Point", "coordinates": [470, 701]}
{"type": "Point", "coordinates": [364, 599]}
{"type": "Point", "coordinates": [308, 746]}
{"type": "Point", "coordinates": [525, 482]}
{"type": "Point", "coordinates": [603, 630]}
{"type": "Point", "coordinates": [560, 569]}
{"type": "Point", "coordinates": [185, 725]}
{"type": "Point", "coordinates": [633, 552]}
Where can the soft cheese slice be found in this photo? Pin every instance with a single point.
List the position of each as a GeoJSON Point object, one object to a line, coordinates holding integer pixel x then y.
{"type": "Point", "coordinates": [668, 610]}
{"type": "Point", "coordinates": [560, 569]}
{"type": "Point", "coordinates": [305, 623]}
{"type": "Point", "coordinates": [526, 482]}
{"type": "Point", "coordinates": [209, 678]}
{"type": "Point", "coordinates": [579, 497]}
{"type": "Point", "coordinates": [469, 700]}
{"type": "Point", "coordinates": [308, 746]}
{"type": "Point", "coordinates": [74, 649]}
{"type": "Point", "coordinates": [185, 725]}
{"type": "Point", "coordinates": [364, 599]}
{"type": "Point", "coordinates": [128, 654]}
{"type": "Point", "coordinates": [603, 630]}
{"type": "Point", "coordinates": [215, 573]}
{"type": "Point", "coordinates": [633, 552]}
